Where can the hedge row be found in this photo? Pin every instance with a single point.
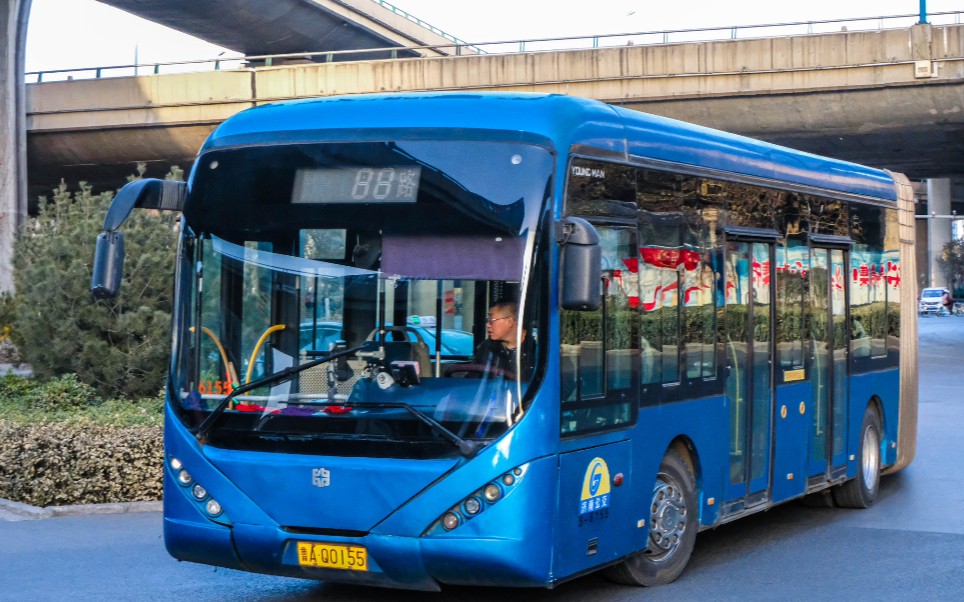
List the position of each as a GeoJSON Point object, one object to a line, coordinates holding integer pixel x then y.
{"type": "Point", "coordinates": [60, 444]}
{"type": "Point", "coordinates": [58, 464]}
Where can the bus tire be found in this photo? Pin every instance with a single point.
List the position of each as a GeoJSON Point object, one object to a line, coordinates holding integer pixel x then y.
{"type": "Point", "coordinates": [673, 523]}
{"type": "Point", "coordinates": [861, 491]}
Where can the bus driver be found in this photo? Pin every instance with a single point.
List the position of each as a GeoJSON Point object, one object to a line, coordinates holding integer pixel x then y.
{"type": "Point", "coordinates": [498, 351]}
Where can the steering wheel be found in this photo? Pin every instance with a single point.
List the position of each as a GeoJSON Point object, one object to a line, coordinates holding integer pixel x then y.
{"type": "Point", "coordinates": [477, 371]}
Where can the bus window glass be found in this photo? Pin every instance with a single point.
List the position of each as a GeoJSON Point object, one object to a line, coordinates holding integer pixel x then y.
{"type": "Point", "coordinates": [662, 261]}
{"type": "Point", "coordinates": [892, 276]}
{"type": "Point", "coordinates": [374, 276]}
{"type": "Point", "coordinates": [829, 217]}
{"type": "Point", "coordinates": [868, 284]}
{"type": "Point", "coordinates": [753, 206]}
{"type": "Point", "coordinates": [600, 349]}
{"type": "Point", "coordinates": [698, 291]}
{"type": "Point", "coordinates": [838, 300]}
{"type": "Point", "coordinates": [317, 243]}
{"type": "Point", "coordinates": [792, 261]}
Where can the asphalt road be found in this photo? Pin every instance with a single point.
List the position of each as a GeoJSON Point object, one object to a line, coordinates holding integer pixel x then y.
{"type": "Point", "coordinates": [910, 545]}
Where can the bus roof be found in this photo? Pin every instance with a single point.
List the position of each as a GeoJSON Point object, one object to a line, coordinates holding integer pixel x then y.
{"type": "Point", "coordinates": [563, 121]}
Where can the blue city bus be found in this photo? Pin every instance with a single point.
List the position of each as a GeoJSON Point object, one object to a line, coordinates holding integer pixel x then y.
{"type": "Point", "coordinates": [712, 324]}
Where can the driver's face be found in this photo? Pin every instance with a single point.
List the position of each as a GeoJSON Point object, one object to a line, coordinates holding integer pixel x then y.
{"type": "Point", "coordinates": [500, 324]}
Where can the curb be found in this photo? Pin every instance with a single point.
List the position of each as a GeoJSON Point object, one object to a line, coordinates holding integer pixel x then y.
{"type": "Point", "coordinates": [27, 512]}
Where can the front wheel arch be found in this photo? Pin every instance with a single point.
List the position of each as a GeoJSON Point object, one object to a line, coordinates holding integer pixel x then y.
{"type": "Point", "coordinates": [673, 524]}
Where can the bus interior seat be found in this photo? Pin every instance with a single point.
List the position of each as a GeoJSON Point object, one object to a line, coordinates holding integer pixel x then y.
{"type": "Point", "coordinates": [399, 347]}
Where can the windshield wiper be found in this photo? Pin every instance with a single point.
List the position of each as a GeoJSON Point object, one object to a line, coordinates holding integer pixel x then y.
{"type": "Point", "coordinates": [207, 425]}
{"type": "Point", "coordinates": [466, 447]}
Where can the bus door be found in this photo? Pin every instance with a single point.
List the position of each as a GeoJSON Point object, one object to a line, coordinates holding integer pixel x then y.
{"type": "Point", "coordinates": [747, 336]}
{"type": "Point", "coordinates": [831, 341]}
{"type": "Point", "coordinates": [793, 392]}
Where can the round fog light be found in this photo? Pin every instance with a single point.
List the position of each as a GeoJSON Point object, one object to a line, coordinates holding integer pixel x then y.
{"type": "Point", "coordinates": [450, 520]}
{"type": "Point", "coordinates": [472, 505]}
{"type": "Point", "coordinates": [508, 479]}
{"type": "Point", "coordinates": [492, 492]}
{"type": "Point", "coordinates": [184, 477]}
{"type": "Point", "coordinates": [213, 507]}
{"type": "Point", "coordinates": [176, 464]}
{"type": "Point", "coordinates": [199, 492]}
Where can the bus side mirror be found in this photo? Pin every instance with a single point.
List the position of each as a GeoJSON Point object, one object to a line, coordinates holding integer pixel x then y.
{"type": "Point", "coordinates": [164, 195]}
{"type": "Point", "coordinates": [581, 264]}
{"type": "Point", "coordinates": [105, 282]}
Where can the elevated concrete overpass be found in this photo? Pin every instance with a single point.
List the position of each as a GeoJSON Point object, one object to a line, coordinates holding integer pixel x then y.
{"type": "Point", "coordinates": [889, 98]}
{"type": "Point", "coordinates": [249, 26]}
{"type": "Point", "coordinates": [256, 27]}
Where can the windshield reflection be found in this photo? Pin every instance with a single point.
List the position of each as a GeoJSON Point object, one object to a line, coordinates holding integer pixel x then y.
{"type": "Point", "coordinates": [396, 304]}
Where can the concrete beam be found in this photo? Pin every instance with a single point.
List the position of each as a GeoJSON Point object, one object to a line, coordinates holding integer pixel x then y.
{"type": "Point", "coordinates": [13, 163]}
{"type": "Point", "coordinates": [869, 97]}
{"type": "Point", "coordinates": [255, 27]}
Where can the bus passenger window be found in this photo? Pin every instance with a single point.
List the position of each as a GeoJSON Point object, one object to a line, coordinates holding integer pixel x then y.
{"type": "Point", "coordinates": [600, 349]}
{"type": "Point", "coordinates": [599, 353]}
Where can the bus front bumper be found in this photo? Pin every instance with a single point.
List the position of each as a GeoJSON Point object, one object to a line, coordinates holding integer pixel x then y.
{"type": "Point", "coordinates": [392, 561]}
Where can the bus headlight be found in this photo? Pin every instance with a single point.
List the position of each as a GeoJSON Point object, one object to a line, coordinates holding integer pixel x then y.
{"type": "Point", "coordinates": [450, 520]}
{"type": "Point", "coordinates": [184, 478]}
{"type": "Point", "coordinates": [199, 492]}
{"type": "Point", "coordinates": [213, 507]}
{"type": "Point", "coordinates": [476, 502]}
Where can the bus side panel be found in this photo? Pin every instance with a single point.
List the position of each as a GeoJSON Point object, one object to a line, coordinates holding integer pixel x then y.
{"type": "Point", "coordinates": [885, 385]}
{"type": "Point", "coordinates": [595, 509]}
{"type": "Point", "coordinates": [791, 434]}
{"type": "Point", "coordinates": [702, 425]}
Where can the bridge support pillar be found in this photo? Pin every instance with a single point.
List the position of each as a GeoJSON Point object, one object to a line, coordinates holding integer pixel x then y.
{"type": "Point", "coordinates": [13, 140]}
{"type": "Point", "coordinates": [938, 227]}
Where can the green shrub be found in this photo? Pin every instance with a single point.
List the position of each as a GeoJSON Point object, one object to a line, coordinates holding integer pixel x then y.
{"type": "Point", "coordinates": [14, 389]}
{"type": "Point", "coordinates": [119, 347]}
{"type": "Point", "coordinates": [65, 399]}
{"type": "Point", "coordinates": [62, 444]}
{"type": "Point", "coordinates": [55, 464]}
{"type": "Point", "coordinates": [64, 393]}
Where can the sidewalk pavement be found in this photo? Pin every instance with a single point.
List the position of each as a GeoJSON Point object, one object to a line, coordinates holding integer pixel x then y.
{"type": "Point", "coordinates": [14, 511]}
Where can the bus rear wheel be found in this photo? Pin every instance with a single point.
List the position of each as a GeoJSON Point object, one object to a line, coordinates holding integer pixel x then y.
{"type": "Point", "coordinates": [861, 491]}
{"type": "Point", "coordinates": [672, 528]}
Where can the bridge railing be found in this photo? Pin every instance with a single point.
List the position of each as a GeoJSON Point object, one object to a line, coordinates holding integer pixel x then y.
{"type": "Point", "coordinates": [420, 23]}
{"type": "Point", "coordinates": [459, 47]}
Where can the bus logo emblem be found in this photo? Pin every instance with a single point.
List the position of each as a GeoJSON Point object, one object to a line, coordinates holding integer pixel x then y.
{"type": "Point", "coordinates": [595, 487]}
{"type": "Point", "coordinates": [320, 477]}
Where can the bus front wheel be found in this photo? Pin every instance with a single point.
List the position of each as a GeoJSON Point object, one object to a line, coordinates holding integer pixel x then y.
{"type": "Point", "coordinates": [672, 528]}
{"type": "Point", "coordinates": [861, 491]}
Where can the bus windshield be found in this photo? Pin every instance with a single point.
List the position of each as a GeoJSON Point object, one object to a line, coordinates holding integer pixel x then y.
{"type": "Point", "coordinates": [393, 251]}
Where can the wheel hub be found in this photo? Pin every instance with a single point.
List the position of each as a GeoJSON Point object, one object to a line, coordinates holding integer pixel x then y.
{"type": "Point", "coordinates": [870, 458]}
{"type": "Point", "coordinates": [667, 519]}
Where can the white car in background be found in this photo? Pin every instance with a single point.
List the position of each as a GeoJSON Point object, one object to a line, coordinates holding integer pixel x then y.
{"type": "Point", "coordinates": [930, 300]}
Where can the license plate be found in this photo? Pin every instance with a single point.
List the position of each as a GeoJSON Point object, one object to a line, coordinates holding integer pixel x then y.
{"type": "Point", "coordinates": [332, 556]}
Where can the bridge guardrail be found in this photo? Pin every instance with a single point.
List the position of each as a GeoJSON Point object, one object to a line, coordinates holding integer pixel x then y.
{"type": "Point", "coordinates": [459, 47]}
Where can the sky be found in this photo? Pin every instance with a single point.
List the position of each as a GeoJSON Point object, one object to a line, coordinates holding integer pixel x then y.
{"type": "Point", "coordinates": [85, 33]}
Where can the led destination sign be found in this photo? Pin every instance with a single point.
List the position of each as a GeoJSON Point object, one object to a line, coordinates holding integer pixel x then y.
{"type": "Point", "coordinates": [397, 184]}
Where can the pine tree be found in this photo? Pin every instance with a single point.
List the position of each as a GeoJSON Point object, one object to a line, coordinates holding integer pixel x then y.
{"type": "Point", "coordinates": [121, 347]}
